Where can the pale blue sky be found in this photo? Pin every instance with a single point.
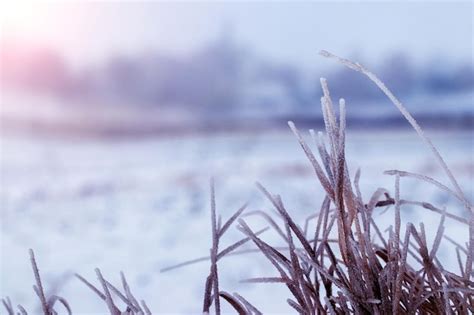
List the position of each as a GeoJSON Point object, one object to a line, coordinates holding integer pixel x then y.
{"type": "Point", "coordinates": [287, 31]}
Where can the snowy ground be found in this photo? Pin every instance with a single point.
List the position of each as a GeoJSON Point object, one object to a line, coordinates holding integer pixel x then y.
{"type": "Point", "coordinates": [139, 206]}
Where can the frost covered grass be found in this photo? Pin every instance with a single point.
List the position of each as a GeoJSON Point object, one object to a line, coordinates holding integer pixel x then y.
{"type": "Point", "coordinates": [338, 260]}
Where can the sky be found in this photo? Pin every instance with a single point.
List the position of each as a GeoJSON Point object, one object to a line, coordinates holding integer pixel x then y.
{"type": "Point", "coordinates": [285, 31]}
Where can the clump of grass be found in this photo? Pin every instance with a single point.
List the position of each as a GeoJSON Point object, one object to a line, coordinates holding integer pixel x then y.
{"type": "Point", "coordinates": [133, 307]}
{"type": "Point", "coordinates": [47, 302]}
{"type": "Point", "coordinates": [360, 271]}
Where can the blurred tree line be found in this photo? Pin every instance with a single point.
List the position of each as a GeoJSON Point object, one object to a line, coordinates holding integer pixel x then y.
{"type": "Point", "coordinates": [222, 77]}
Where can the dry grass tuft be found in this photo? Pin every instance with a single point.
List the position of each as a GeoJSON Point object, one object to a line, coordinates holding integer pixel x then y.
{"type": "Point", "coordinates": [47, 302]}
{"type": "Point", "coordinates": [362, 271]}
{"type": "Point", "coordinates": [133, 307]}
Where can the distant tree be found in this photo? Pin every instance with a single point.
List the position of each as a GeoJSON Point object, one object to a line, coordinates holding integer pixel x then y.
{"type": "Point", "coordinates": [35, 69]}
{"type": "Point", "coordinates": [288, 78]}
{"type": "Point", "coordinates": [440, 76]}
{"type": "Point", "coordinates": [464, 77]}
{"type": "Point", "coordinates": [122, 79]}
{"type": "Point", "coordinates": [398, 72]}
{"type": "Point", "coordinates": [217, 74]}
{"type": "Point", "coordinates": [351, 86]}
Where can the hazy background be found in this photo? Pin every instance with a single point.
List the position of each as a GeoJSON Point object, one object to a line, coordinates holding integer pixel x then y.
{"type": "Point", "coordinates": [154, 67]}
{"type": "Point", "coordinates": [114, 115]}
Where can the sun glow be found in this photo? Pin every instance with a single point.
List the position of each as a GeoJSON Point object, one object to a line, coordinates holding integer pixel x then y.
{"type": "Point", "coordinates": [35, 21]}
{"type": "Point", "coordinates": [20, 16]}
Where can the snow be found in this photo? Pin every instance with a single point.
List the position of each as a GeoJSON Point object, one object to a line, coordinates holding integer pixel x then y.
{"type": "Point", "coordinates": [142, 205]}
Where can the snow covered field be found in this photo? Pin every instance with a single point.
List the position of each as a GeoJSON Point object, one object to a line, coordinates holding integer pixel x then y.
{"type": "Point", "coordinates": [142, 205]}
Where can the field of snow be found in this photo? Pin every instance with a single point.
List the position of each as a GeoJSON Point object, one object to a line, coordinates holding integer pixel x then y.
{"type": "Point", "coordinates": [142, 205]}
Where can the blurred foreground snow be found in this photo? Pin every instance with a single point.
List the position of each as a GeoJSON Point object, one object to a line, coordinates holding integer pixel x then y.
{"type": "Point", "coordinates": [142, 205]}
